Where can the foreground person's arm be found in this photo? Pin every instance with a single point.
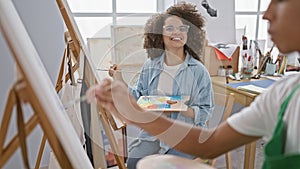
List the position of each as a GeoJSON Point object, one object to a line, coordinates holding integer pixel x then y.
{"type": "Point", "coordinates": [200, 142]}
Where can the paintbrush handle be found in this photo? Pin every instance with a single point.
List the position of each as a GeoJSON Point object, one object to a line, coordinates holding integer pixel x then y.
{"type": "Point", "coordinates": [122, 71]}
{"type": "Point", "coordinates": [75, 101]}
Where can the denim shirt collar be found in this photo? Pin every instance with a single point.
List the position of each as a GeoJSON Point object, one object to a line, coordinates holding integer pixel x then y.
{"type": "Point", "coordinates": [159, 61]}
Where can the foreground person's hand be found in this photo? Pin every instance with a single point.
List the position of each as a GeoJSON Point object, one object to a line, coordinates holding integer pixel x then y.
{"type": "Point", "coordinates": [115, 97]}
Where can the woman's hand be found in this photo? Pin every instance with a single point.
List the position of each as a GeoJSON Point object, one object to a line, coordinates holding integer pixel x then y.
{"type": "Point", "coordinates": [115, 73]}
{"type": "Point", "coordinates": [112, 70]}
{"type": "Point", "coordinates": [115, 97]}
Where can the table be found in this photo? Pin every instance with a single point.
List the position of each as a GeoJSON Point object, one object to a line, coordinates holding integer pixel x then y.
{"type": "Point", "coordinates": [243, 98]}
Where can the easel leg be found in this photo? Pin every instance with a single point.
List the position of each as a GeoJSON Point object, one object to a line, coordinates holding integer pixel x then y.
{"type": "Point", "coordinates": [21, 129]}
{"type": "Point", "coordinates": [112, 141]}
{"type": "Point", "coordinates": [40, 154]}
{"type": "Point", "coordinates": [124, 138]}
{"type": "Point", "coordinates": [6, 119]}
{"type": "Point", "coordinates": [96, 139]}
{"type": "Point", "coordinates": [249, 158]}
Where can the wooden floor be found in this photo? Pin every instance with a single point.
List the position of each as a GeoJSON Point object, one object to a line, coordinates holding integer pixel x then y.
{"type": "Point", "coordinates": [237, 156]}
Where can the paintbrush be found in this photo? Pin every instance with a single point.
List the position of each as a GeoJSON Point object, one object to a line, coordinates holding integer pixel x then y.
{"type": "Point", "coordinates": [75, 101]}
{"type": "Point", "coordinates": [118, 70]}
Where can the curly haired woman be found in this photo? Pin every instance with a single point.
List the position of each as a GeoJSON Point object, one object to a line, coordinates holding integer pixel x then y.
{"type": "Point", "coordinates": [174, 42]}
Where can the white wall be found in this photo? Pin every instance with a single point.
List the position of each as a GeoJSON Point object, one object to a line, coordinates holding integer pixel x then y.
{"type": "Point", "coordinates": [220, 28]}
{"type": "Point", "coordinates": [45, 27]}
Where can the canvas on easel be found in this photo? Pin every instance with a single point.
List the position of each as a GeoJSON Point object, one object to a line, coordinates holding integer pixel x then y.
{"type": "Point", "coordinates": [90, 78]}
{"type": "Point", "coordinates": [34, 87]}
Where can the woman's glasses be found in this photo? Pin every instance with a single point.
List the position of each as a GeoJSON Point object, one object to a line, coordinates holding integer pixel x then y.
{"type": "Point", "coordinates": [171, 28]}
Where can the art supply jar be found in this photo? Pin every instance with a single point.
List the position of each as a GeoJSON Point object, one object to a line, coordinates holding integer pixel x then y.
{"type": "Point", "coordinates": [229, 70]}
{"type": "Point", "coordinates": [270, 69]}
{"type": "Point", "coordinates": [248, 63]}
{"type": "Point", "coordinates": [222, 71]}
{"type": "Point", "coordinates": [247, 71]}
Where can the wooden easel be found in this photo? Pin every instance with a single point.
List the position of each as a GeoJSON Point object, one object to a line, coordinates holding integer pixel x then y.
{"type": "Point", "coordinates": [18, 95]}
{"type": "Point", "coordinates": [72, 67]}
{"type": "Point", "coordinates": [106, 118]}
{"type": "Point", "coordinates": [107, 122]}
{"type": "Point", "coordinates": [39, 95]}
{"type": "Point", "coordinates": [77, 46]}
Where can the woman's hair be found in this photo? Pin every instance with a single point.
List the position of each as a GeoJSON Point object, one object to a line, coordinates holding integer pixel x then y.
{"type": "Point", "coordinates": [153, 36]}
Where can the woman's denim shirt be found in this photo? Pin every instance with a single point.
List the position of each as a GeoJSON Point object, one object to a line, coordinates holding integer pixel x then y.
{"type": "Point", "coordinates": [192, 79]}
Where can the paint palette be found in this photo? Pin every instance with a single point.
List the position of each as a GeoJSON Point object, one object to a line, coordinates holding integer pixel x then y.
{"type": "Point", "coordinates": [163, 103]}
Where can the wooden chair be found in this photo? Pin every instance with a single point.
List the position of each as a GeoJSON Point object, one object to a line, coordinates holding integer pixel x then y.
{"type": "Point", "coordinates": [223, 107]}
